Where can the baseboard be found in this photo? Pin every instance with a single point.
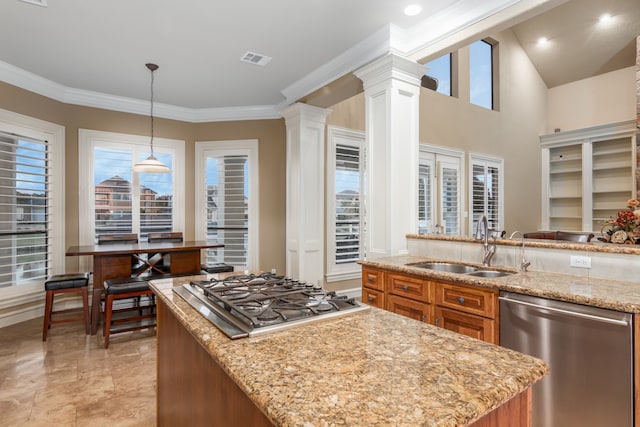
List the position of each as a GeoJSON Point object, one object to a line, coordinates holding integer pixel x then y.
{"type": "Point", "coordinates": [351, 293]}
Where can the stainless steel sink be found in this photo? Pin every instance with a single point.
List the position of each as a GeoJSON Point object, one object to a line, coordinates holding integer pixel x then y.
{"type": "Point", "coordinates": [470, 270]}
{"type": "Point", "coordinates": [490, 273]}
{"type": "Point", "coordinates": [448, 267]}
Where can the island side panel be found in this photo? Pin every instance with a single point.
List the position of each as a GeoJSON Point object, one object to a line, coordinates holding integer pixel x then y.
{"type": "Point", "coordinates": [192, 389]}
{"type": "Point", "coordinates": [514, 413]}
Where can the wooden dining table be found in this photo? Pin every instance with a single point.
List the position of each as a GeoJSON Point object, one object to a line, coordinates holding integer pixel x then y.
{"type": "Point", "coordinates": [114, 261]}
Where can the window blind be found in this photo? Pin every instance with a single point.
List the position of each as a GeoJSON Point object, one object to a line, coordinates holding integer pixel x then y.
{"type": "Point", "coordinates": [25, 247]}
{"type": "Point", "coordinates": [347, 204]}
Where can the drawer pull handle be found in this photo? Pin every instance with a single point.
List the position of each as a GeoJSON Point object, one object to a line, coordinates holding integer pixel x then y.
{"type": "Point", "coordinates": [370, 279]}
{"type": "Point", "coordinates": [437, 321]}
{"type": "Point", "coordinates": [370, 298]}
{"type": "Point", "coordinates": [424, 318]}
{"type": "Point", "coordinates": [460, 300]}
{"type": "Point", "coordinates": [405, 287]}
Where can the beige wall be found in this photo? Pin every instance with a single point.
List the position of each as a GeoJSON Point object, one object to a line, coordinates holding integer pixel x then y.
{"type": "Point", "coordinates": [270, 133]}
{"type": "Point", "coordinates": [600, 100]}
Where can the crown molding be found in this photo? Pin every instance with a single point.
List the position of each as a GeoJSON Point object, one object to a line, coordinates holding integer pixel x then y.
{"type": "Point", "coordinates": [32, 82]}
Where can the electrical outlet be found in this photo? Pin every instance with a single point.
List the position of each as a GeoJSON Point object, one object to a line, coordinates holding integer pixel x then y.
{"type": "Point", "coordinates": [580, 261]}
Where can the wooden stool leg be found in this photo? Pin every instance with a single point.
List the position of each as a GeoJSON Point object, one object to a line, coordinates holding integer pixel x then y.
{"type": "Point", "coordinates": [48, 305]}
{"type": "Point", "coordinates": [85, 306]}
{"type": "Point", "coordinates": [108, 308]}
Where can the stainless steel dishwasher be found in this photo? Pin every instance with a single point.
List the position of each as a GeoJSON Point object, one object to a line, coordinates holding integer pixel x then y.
{"type": "Point", "coordinates": [590, 352]}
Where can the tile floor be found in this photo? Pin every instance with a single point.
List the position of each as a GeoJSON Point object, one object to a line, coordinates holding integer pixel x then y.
{"type": "Point", "coordinates": [71, 380]}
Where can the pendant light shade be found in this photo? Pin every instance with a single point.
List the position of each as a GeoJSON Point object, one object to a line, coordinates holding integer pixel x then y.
{"type": "Point", "coordinates": [151, 164]}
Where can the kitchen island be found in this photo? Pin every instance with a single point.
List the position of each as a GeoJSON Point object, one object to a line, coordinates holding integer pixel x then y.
{"type": "Point", "coordinates": [366, 368]}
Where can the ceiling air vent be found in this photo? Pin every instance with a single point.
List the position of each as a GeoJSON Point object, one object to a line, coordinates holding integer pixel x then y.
{"type": "Point", "coordinates": [255, 58]}
{"type": "Point", "coordinates": [42, 3]}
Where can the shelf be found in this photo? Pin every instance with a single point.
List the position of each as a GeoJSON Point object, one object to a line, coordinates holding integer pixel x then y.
{"type": "Point", "coordinates": [566, 171]}
{"type": "Point", "coordinates": [564, 197]}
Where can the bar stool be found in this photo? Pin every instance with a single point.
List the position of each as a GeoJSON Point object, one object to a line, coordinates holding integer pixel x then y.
{"type": "Point", "coordinates": [65, 283]}
{"type": "Point", "coordinates": [127, 288]}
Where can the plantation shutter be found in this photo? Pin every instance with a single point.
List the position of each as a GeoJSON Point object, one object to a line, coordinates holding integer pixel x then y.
{"type": "Point", "coordinates": [449, 181]}
{"type": "Point", "coordinates": [25, 223]}
{"type": "Point", "coordinates": [486, 193]}
{"type": "Point", "coordinates": [227, 207]}
{"type": "Point", "coordinates": [347, 204]}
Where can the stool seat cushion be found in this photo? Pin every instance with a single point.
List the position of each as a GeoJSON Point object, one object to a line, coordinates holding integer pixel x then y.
{"type": "Point", "coordinates": [217, 268]}
{"type": "Point", "coordinates": [66, 281]}
{"type": "Point", "coordinates": [123, 286]}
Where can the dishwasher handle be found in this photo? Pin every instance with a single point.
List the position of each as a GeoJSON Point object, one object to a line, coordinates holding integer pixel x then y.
{"type": "Point", "coordinates": [567, 312]}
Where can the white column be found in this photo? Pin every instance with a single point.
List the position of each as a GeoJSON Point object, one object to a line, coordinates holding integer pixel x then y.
{"type": "Point", "coordinates": [391, 90]}
{"type": "Point", "coordinates": [305, 191]}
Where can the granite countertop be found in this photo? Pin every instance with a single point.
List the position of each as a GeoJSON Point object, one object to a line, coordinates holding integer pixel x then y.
{"type": "Point", "coordinates": [372, 368]}
{"type": "Point", "coordinates": [605, 293]}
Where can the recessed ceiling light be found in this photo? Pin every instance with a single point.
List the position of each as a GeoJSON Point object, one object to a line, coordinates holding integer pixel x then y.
{"type": "Point", "coordinates": [412, 10]}
{"type": "Point", "coordinates": [542, 41]}
{"type": "Point", "coordinates": [605, 17]}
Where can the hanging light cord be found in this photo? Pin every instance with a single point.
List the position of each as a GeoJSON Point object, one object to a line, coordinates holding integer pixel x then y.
{"type": "Point", "coordinates": [152, 68]}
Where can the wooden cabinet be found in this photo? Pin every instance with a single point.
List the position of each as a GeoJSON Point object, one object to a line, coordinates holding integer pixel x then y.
{"type": "Point", "coordinates": [373, 287]}
{"type": "Point", "coordinates": [464, 309]}
{"type": "Point", "coordinates": [587, 175]}
{"type": "Point", "coordinates": [410, 308]}
{"type": "Point", "coordinates": [467, 310]}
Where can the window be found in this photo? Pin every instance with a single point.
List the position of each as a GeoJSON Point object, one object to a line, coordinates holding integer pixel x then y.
{"type": "Point", "coordinates": [441, 70]}
{"type": "Point", "coordinates": [120, 201]}
{"type": "Point", "coordinates": [32, 197]}
{"type": "Point", "coordinates": [487, 193]}
{"type": "Point", "coordinates": [344, 188]}
{"type": "Point", "coordinates": [439, 190]}
{"type": "Point", "coordinates": [482, 59]}
{"type": "Point", "coordinates": [227, 201]}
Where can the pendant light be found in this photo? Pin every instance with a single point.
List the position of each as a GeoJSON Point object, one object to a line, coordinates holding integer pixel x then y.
{"type": "Point", "coordinates": [151, 164]}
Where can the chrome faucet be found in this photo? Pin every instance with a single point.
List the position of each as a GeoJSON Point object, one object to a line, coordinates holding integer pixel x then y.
{"type": "Point", "coordinates": [524, 264]}
{"type": "Point", "coordinates": [482, 233]}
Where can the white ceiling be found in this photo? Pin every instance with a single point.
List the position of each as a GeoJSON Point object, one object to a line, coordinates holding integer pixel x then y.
{"type": "Point", "coordinates": [92, 52]}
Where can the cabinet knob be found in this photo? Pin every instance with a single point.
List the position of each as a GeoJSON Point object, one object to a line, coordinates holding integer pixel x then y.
{"type": "Point", "coordinates": [437, 321]}
{"type": "Point", "coordinates": [405, 287]}
{"type": "Point", "coordinates": [424, 318]}
{"type": "Point", "coordinates": [370, 279]}
{"type": "Point", "coordinates": [460, 300]}
{"type": "Point", "coordinates": [370, 298]}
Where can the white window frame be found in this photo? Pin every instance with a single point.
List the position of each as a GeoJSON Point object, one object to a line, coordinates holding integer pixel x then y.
{"type": "Point", "coordinates": [88, 140]}
{"type": "Point", "coordinates": [30, 127]}
{"type": "Point", "coordinates": [249, 147]}
{"type": "Point", "coordinates": [437, 156]}
{"type": "Point", "coordinates": [337, 135]}
{"type": "Point", "coordinates": [486, 160]}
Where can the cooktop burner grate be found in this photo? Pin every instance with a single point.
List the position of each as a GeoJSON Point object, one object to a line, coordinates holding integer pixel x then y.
{"type": "Point", "coordinates": [266, 301]}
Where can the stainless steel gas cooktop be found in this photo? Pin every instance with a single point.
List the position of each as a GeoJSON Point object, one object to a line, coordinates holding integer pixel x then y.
{"type": "Point", "coordinates": [250, 305]}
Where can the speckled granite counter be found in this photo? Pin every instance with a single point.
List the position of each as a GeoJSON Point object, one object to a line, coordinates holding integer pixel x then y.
{"type": "Point", "coordinates": [371, 368]}
{"type": "Point", "coordinates": [614, 294]}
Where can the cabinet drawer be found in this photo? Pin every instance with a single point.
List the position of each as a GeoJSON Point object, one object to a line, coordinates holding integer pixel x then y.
{"type": "Point", "coordinates": [468, 299]}
{"type": "Point", "coordinates": [373, 297]}
{"type": "Point", "coordinates": [373, 279]}
{"type": "Point", "coordinates": [410, 287]}
{"type": "Point", "coordinates": [467, 324]}
{"type": "Point", "coordinates": [410, 308]}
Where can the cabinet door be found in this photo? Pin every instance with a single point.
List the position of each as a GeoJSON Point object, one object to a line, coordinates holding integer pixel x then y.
{"type": "Point", "coordinates": [467, 324]}
{"type": "Point", "coordinates": [481, 302]}
{"type": "Point", "coordinates": [373, 279]}
{"type": "Point", "coordinates": [409, 308]}
{"type": "Point", "coordinates": [373, 297]}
